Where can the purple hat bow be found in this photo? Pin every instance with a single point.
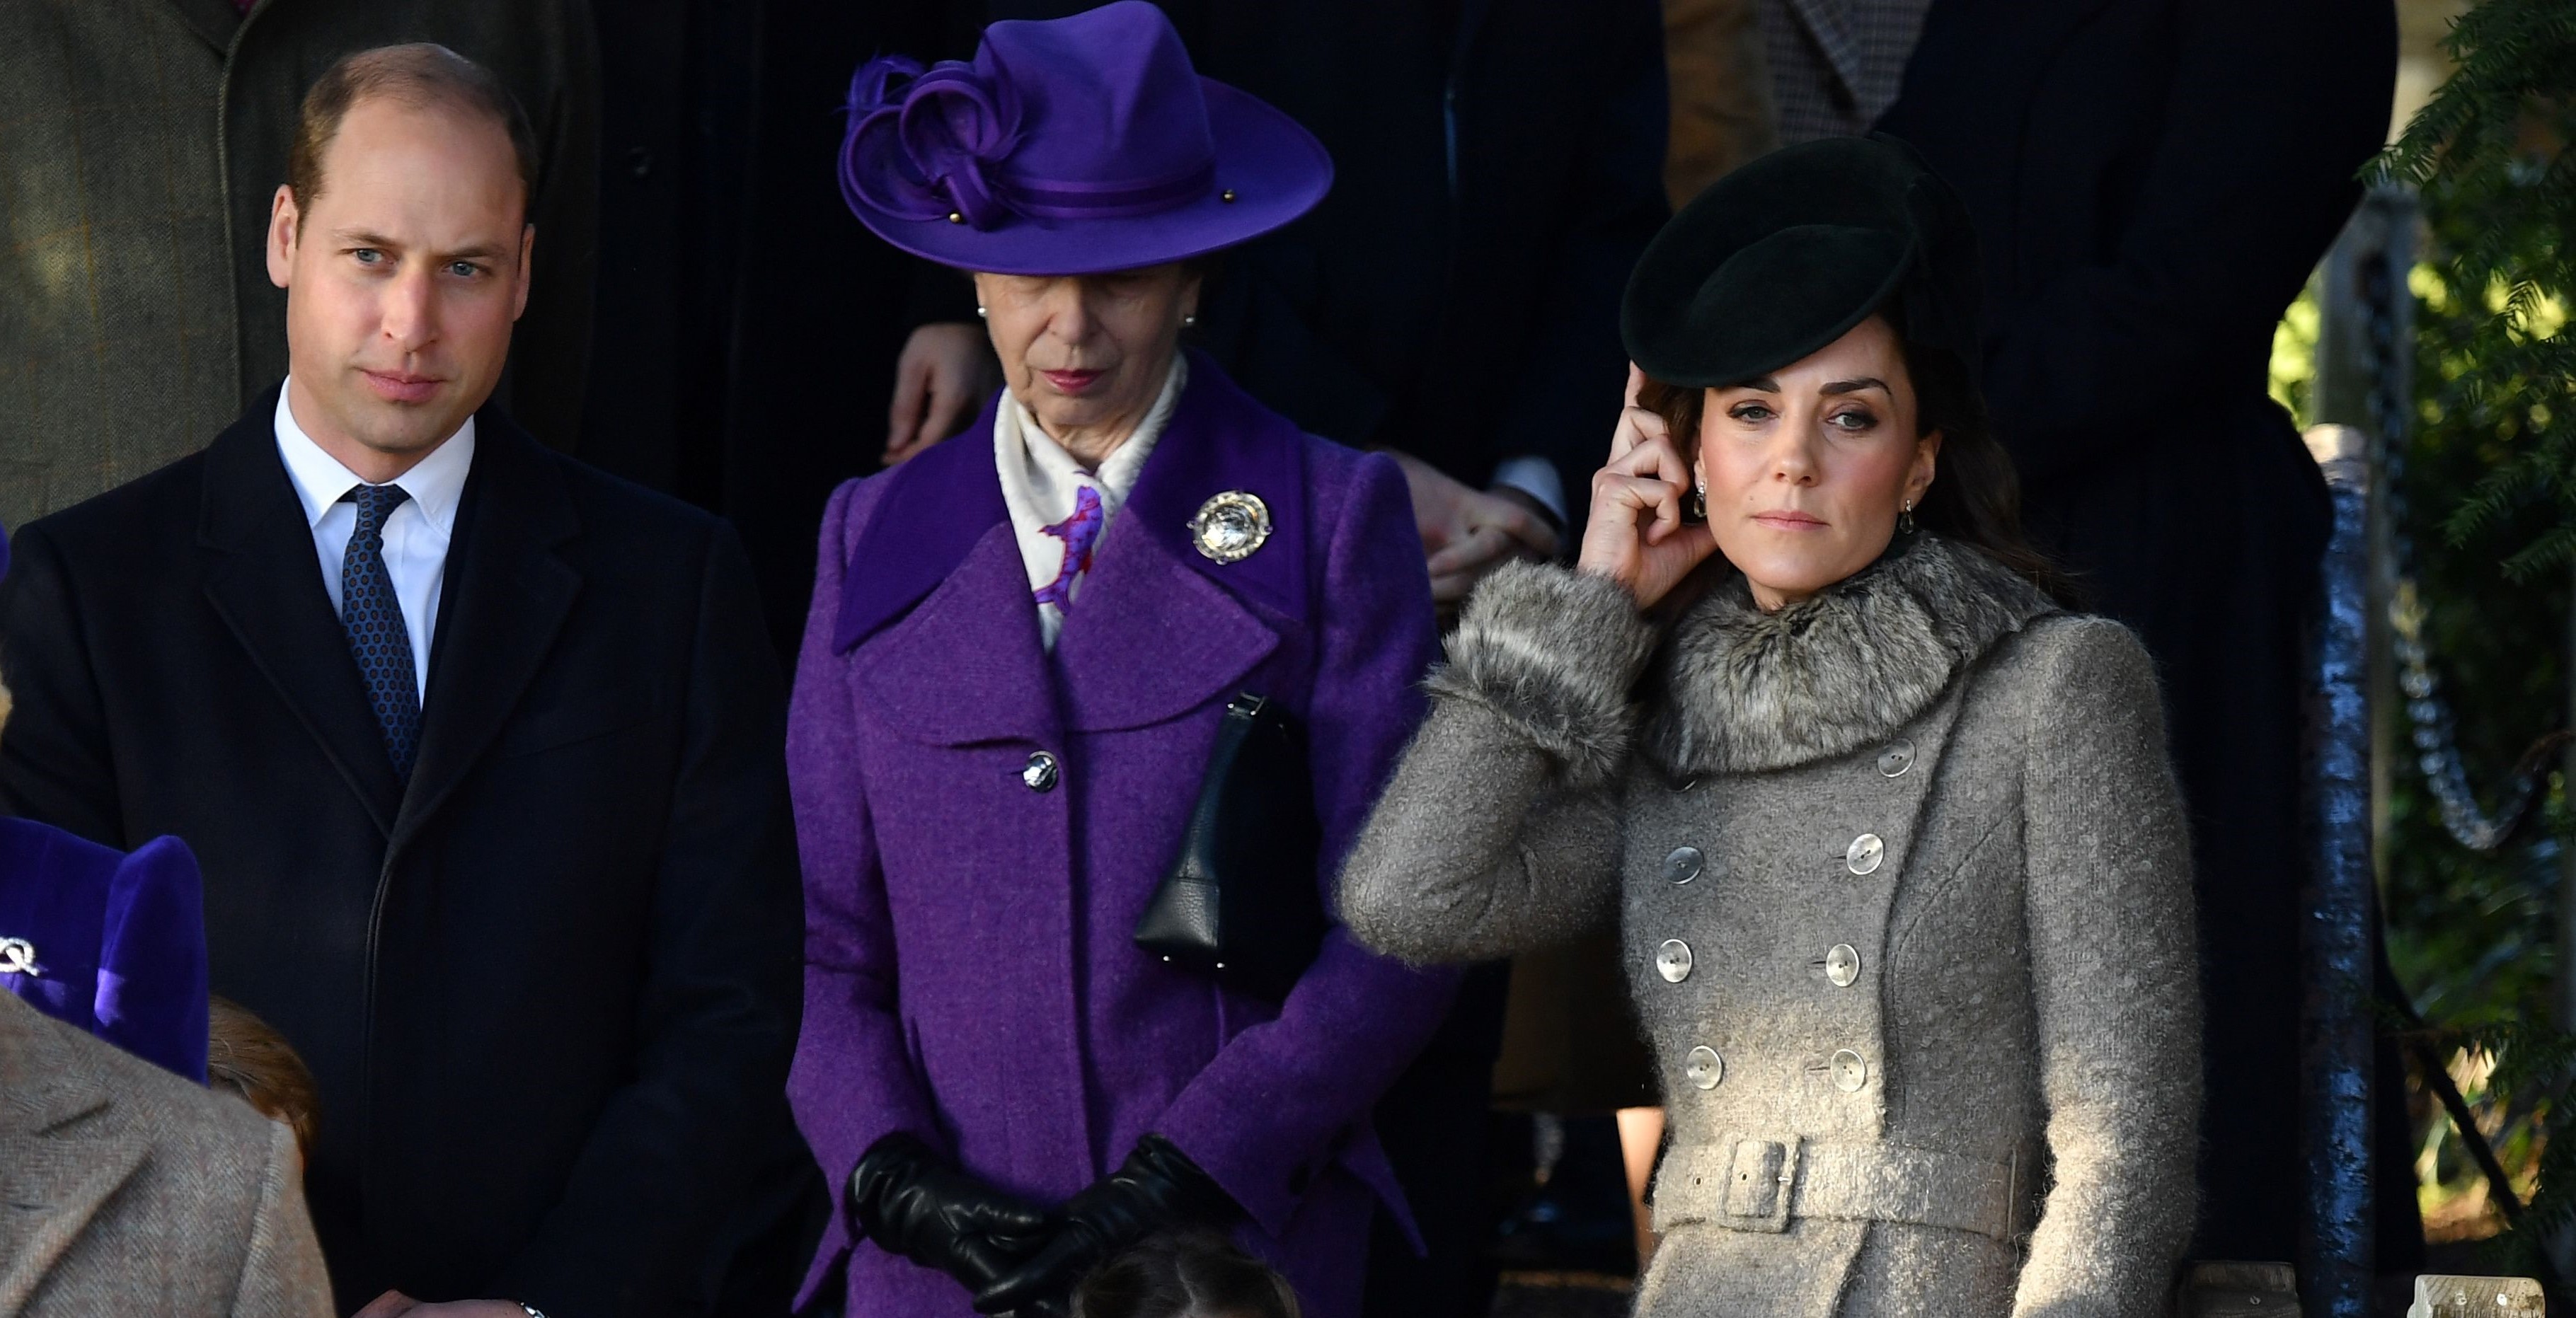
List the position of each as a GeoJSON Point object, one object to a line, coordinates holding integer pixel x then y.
{"type": "Point", "coordinates": [955, 126]}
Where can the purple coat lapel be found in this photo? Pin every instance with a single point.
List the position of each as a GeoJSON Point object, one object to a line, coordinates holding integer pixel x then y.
{"type": "Point", "coordinates": [1159, 629]}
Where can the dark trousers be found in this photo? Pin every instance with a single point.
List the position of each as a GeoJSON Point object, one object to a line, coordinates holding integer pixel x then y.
{"type": "Point", "coordinates": [1433, 1124]}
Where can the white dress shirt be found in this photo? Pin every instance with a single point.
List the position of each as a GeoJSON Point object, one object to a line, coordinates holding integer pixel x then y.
{"type": "Point", "coordinates": [1041, 485]}
{"type": "Point", "coordinates": [416, 533]}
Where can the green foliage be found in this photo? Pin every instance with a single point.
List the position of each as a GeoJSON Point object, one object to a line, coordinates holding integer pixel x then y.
{"type": "Point", "coordinates": [2488, 153]}
{"type": "Point", "coordinates": [2490, 484]}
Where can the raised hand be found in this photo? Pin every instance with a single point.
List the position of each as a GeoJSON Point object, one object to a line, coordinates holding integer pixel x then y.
{"type": "Point", "coordinates": [1636, 535]}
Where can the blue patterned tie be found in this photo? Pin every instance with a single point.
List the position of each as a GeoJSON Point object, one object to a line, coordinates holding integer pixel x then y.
{"type": "Point", "coordinates": [374, 621]}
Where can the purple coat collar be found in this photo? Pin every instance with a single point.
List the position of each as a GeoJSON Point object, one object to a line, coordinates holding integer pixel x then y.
{"type": "Point", "coordinates": [938, 506]}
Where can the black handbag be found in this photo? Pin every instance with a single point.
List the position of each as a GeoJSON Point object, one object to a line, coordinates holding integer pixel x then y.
{"type": "Point", "coordinates": [1239, 903]}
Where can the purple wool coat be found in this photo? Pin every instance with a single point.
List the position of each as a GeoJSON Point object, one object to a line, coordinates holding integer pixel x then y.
{"type": "Point", "coordinates": [971, 973]}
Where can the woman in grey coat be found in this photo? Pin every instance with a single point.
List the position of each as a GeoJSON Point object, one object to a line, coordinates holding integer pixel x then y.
{"type": "Point", "coordinates": [1890, 833]}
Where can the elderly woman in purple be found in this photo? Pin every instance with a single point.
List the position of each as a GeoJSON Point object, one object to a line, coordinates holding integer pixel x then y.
{"type": "Point", "coordinates": [1023, 646]}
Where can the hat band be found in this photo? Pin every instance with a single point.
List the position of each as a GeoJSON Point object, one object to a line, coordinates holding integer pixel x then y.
{"type": "Point", "coordinates": [1109, 201]}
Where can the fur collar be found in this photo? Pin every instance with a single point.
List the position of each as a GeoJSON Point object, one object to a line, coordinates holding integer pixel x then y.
{"type": "Point", "coordinates": [1736, 690]}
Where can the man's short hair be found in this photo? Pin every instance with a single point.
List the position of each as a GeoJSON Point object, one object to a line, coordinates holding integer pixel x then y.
{"type": "Point", "coordinates": [420, 74]}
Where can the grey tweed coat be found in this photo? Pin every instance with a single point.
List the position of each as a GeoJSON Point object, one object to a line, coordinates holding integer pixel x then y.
{"type": "Point", "coordinates": [129, 1190]}
{"type": "Point", "coordinates": [1907, 912]}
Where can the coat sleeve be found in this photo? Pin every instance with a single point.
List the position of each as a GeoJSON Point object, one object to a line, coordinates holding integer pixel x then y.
{"type": "Point", "coordinates": [667, 1160]}
{"type": "Point", "coordinates": [282, 1274]}
{"type": "Point", "coordinates": [853, 1082]}
{"type": "Point", "coordinates": [1276, 1097]}
{"type": "Point", "coordinates": [56, 764]}
{"type": "Point", "coordinates": [1499, 833]}
{"type": "Point", "coordinates": [2114, 977]}
{"type": "Point", "coordinates": [2273, 109]}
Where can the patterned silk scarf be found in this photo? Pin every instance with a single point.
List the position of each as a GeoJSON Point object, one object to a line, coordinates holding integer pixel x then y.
{"type": "Point", "coordinates": [1059, 510]}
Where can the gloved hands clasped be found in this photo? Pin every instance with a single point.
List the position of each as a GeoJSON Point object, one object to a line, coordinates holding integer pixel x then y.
{"type": "Point", "coordinates": [1156, 1189]}
{"type": "Point", "coordinates": [912, 1202]}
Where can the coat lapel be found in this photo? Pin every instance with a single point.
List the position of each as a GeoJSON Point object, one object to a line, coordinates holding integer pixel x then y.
{"type": "Point", "coordinates": [263, 579]}
{"type": "Point", "coordinates": [504, 601]}
{"type": "Point", "coordinates": [1160, 628]}
{"type": "Point", "coordinates": [935, 609]}
{"type": "Point", "coordinates": [54, 1173]}
{"type": "Point", "coordinates": [214, 21]}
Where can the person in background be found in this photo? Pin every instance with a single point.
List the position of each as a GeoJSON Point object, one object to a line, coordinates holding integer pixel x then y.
{"type": "Point", "coordinates": [2199, 158]}
{"type": "Point", "coordinates": [1835, 65]}
{"type": "Point", "coordinates": [1721, 92]}
{"type": "Point", "coordinates": [134, 1191]}
{"type": "Point", "coordinates": [144, 141]}
{"type": "Point", "coordinates": [1185, 1275]}
{"type": "Point", "coordinates": [246, 1058]}
{"type": "Point", "coordinates": [1024, 647]}
{"type": "Point", "coordinates": [482, 750]}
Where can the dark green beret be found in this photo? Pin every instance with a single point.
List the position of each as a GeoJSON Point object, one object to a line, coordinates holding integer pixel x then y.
{"type": "Point", "coordinates": [1789, 252]}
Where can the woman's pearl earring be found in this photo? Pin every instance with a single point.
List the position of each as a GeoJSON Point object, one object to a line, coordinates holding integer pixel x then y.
{"type": "Point", "coordinates": [1190, 321]}
{"type": "Point", "coordinates": [979, 312]}
{"type": "Point", "coordinates": [1905, 519]}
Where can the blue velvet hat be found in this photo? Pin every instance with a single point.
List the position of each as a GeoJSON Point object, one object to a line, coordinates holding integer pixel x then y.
{"type": "Point", "coordinates": [110, 942]}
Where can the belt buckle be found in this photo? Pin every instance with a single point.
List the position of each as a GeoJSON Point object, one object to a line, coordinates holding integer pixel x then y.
{"type": "Point", "coordinates": [1761, 1178]}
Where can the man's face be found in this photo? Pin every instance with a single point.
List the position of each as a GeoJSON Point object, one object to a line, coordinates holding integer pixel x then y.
{"type": "Point", "coordinates": [403, 278]}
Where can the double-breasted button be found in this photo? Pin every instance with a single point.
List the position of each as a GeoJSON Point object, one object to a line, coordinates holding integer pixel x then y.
{"type": "Point", "coordinates": [1683, 864]}
{"type": "Point", "coordinates": [1897, 758]}
{"type": "Point", "coordinates": [1040, 773]}
{"type": "Point", "coordinates": [1864, 853]}
{"type": "Point", "coordinates": [1842, 964]}
{"type": "Point", "coordinates": [1703, 1067]}
{"type": "Point", "coordinates": [1673, 961]}
{"type": "Point", "coordinates": [1850, 1072]}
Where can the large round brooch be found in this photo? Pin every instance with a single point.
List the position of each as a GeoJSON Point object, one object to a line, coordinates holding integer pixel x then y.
{"type": "Point", "coordinates": [1231, 525]}
{"type": "Point", "coordinates": [18, 957]}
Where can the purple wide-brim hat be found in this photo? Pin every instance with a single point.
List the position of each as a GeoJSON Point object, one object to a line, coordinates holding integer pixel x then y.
{"type": "Point", "coordinates": [1071, 146]}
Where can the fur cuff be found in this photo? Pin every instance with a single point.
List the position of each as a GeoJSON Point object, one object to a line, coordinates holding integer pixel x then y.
{"type": "Point", "coordinates": [1553, 653]}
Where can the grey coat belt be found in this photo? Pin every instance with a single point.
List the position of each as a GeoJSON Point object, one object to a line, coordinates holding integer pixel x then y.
{"type": "Point", "coordinates": [1747, 1182]}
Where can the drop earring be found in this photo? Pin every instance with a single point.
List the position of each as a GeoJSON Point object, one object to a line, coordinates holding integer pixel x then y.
{"type": "Point", "coordinates": [1905, 519]}
{"type": "Point", "coordinates": [1695, 508]}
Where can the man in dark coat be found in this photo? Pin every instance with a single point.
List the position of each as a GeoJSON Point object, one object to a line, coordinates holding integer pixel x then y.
{"type": "Point", "coordinates": [143, 141]}
{"type": "Point", "coordinates": [481, 750]}
{"type": "Point", "coordinates": [2152, 181]}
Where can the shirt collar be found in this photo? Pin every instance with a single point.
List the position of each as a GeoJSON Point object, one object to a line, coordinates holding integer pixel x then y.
{"type": "Point", "coordinates": [435, 484]}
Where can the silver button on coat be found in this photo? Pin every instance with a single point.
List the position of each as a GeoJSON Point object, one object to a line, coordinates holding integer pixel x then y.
{"type": "Point", "coordinates": [1842, 965]}
{"type": "Point", "coordinates": [1865, 852]}
{"type": "Point", "coordinates": [1897, 758]}
{"type": "Point", "coordinates": [1850, 1072]}
{"type": "Point", "coordinates": [1673, 961]}
{"type": "Point", "coordinates": [1683, 865]}
{"type": "Point", "coordinates": [1703, 1067]}
{"type": "Point", "coordinates": [1040, 773]}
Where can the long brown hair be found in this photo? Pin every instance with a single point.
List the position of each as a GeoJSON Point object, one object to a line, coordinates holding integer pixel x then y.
{"type": "Point", "coordinates": [1974, 499]}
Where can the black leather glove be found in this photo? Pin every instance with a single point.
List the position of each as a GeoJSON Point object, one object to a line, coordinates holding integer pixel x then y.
{"type": "Point", "coordinates": [912, 1202]}
{"type": "Point", "coordinates": [1156, 1189]}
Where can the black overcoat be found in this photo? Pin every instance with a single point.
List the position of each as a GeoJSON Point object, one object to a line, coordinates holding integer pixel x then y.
{"type": "Point", "coordinates": [549, 991]}
{"type": "Point", "coordinates": [2152, 181]}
